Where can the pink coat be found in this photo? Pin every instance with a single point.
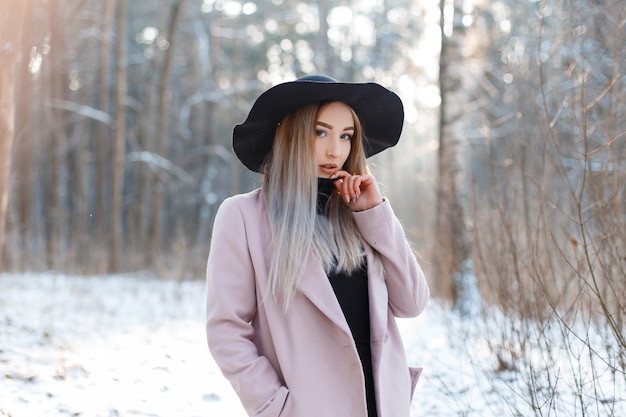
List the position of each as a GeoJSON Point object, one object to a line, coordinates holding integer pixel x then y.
{"type": "Point", "coordinates": [305, 363]}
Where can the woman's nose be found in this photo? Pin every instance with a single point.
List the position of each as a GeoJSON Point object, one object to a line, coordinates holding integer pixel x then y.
{"type": "Point", "coordinates": [333, 148]}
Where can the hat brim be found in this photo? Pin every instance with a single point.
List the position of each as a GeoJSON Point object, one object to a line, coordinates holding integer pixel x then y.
{"type": "Point", "coordinates": [380, 112]}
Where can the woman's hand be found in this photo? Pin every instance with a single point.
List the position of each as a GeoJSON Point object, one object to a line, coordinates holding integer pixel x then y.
{"type": "Point", "coordinates": [359, 192]}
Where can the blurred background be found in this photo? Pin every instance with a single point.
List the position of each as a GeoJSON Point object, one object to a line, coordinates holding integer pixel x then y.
{"type": "Point", "coordinates": [510, 177]}
{"type": "Point", "coordinates": [120, 146]}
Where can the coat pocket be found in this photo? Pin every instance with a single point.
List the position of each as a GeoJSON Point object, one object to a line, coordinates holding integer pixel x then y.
{"type": "Point", "coordinates": [415, 376]}
{"type": "Point", "coordinates": [274, 406]}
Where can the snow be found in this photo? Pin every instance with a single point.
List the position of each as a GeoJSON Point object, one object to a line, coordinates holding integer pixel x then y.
{"type": "Point", "coordinates": [106, 346]}
{"type": "Point", "coordinates": [130, 345]}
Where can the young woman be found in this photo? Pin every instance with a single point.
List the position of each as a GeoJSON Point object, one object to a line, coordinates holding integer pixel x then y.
{"type": "Point", "coordinates": [306, 274]}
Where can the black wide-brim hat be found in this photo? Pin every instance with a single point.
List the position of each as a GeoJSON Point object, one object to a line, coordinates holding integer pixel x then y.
{"type": "Point", "coordinates": [380, 112]}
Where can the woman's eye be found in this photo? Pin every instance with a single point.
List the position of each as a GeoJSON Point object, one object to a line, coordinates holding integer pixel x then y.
{"type": "Point", "coordinates": [346, 136]}
{"type": "Point", "coordinates": [320, 132]}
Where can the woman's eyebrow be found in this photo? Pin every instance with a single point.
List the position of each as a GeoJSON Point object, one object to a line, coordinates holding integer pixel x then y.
{"type": "Point", "coordinates": [326, 125]}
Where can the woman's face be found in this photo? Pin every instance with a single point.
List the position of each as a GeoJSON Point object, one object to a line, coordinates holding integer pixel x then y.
{"type": "Point", "coordinates": [334, 130]}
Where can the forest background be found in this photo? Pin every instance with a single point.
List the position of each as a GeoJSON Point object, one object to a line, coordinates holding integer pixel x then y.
{"type": "Point", "coordinates": [116, 121]}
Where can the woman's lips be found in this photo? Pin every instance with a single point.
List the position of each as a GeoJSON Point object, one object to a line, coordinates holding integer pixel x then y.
{"type": "Point", "coordinates": [328, 169]}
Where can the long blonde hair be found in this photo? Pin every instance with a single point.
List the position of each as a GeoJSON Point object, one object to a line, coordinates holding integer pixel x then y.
{"type": "Point", "coordinates": [290, 193]}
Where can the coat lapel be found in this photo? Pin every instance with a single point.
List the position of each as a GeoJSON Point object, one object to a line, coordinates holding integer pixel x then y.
{"type": "Point", "coordinates": [316, 287]}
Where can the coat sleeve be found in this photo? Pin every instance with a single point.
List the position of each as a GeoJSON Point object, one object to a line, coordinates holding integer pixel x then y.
{"type": "Point", "coordinates": [406, 285]}
{"type": "Point", "coordinates": [230, 309]}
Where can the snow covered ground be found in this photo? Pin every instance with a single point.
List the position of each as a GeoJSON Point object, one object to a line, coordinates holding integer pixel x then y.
{"type": "Point", "coordinates": [135, 346]}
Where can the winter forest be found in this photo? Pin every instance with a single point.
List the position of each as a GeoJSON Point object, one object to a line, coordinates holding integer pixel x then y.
{"type": "Point", "coordinates": [116, 121]}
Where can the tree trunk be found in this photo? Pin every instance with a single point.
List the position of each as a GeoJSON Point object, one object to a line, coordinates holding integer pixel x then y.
{"type": "Point", "coordinates": [24, 152]}
{"type": "Point", "coordinates": [156, 223]}
{"type": "Point", "coordinates": [55, 76]}
{"type": "Point", "coordinates": [119, 140]}
{"type": "Point", "coordinates": [103, 149]}
{"type": "Point", "coordinates": [77, 193]}
{"type": "Point", "coordinates": [323, 57]}
{"type": "Point", "coordinates": [11, 21]}
{"type": "Point", "coordinates": [451, 247]}
{"type": "Point", "coordinates": [143, 185]}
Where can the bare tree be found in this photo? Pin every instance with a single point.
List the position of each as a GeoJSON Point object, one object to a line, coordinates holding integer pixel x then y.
{"type": "Point", "coordinates": [102, 137]}
{"type": "Point", "coordinates": [11, 21]}
{"type": "Point", "coordinates": [450, 249]}
{"type": "Point", "coordinates": [323, 55]}
{"type": "Point", "coordinates": [549, 216]}
{"type": "Point", "coordinates": [119, 141]}
{"type": "Point", "coordinates": [25, 149]}
{"type": "Point", "coordinates": [156, 223]}
{"type": "Point", "coordinates": [55, 73]}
